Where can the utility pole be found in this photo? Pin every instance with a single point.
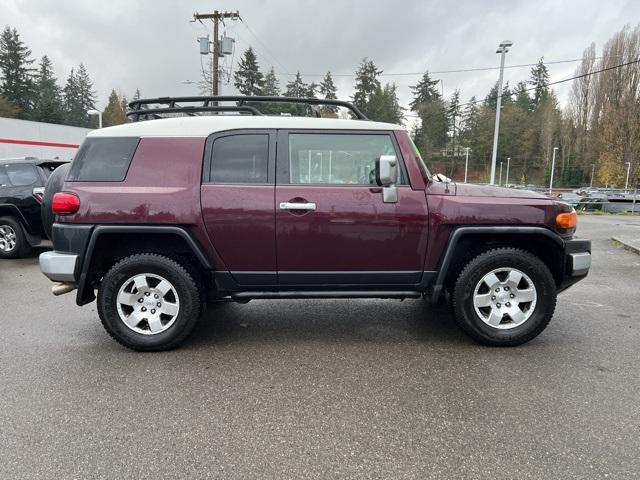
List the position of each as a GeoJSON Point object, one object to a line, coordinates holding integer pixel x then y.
{"type": "Point", "coordinates": [216, 16]}
{"type": "Point", "coordinates": [502, 50]}
{"type": "Point", "coordinates": [593, 170]}
{"type": "Point", "coordinates": [506, 182]}
{"type": "Point", "coordinates": [466, 164]}
{"type": "Point", "coordinates": [500, 181]}
{"type": "Point", "coordinates": [553, 167]}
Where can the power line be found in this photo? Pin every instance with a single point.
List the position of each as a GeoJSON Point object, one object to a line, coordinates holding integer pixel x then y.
{"type": "Point", "coordinates": [626, 64]}
{"type": "Point", "coordinates": [439, 72]}
{"type": "Point", "coordinates": [273, 57]}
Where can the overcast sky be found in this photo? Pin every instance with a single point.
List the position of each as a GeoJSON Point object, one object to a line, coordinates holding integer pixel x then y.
{"type": "Point", "coordinates": [151, 45]}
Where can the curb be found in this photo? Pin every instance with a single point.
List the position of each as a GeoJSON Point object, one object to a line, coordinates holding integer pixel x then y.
{"type": "Point", "coordinates": [627, 245]}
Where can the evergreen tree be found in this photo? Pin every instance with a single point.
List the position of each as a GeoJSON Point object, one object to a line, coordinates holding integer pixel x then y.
{"type": "Point", "coordinates": [327, 90]}
{"type": "Point", "coordinates": [522, 98]}
{"type": "Point", "coordinates": [271, 87]}
{"type": "Point", "coordinates": [367, 84]}
{"type": "Point", "coordinates": [454, 113]}
{"type": "Point", "coordinates": [8, 109]}
{"type": "Point", "coordinates": [16, 73]}
{"type": "Point", "coordinates": [296, 88]}
{"type": "Point", "coordinates": [384, 106]}
{"type": "Point", "coordinates": [137, 96]}
{"type": "Point", "coordinates": [48, 105]}
{"type": "Point", "coordinates": [248, 78]}
{"type": "Point", "coordinates": [425, 91]}
{"type": "Point", "coordinates": [491, 100]}
{"type": "Point", "coordinates": [79, 97]}
{"type": "Point", "coordinates": [539, 80]}
{"type": "Point", "coordinates": [114, 114]}
{"type": "Point", "coordinates": [311, 90]}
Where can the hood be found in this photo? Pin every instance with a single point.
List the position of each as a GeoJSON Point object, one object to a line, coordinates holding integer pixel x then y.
{"type": "Point", "coordinates": [471, 190]}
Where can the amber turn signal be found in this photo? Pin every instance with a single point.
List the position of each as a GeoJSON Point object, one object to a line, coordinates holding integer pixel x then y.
{"type": "Point", "coordinates": [567, 220]}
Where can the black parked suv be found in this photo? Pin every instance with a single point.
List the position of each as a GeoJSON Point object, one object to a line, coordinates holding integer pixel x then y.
{"type": "Point", "coordinates": [22, 192]}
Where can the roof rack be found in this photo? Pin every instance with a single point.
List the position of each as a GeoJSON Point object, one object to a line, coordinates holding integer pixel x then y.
{"type": "Point", "coordinates": [150, 108]}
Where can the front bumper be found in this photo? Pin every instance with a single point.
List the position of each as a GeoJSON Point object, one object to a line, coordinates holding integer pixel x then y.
{"type": "Point", "coordinates": [577, 254]}
{"type": "Point", "coordinates": [59, 267]}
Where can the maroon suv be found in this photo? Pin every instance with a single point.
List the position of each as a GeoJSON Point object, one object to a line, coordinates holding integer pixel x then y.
{"type": "Point", "coordinates": [160, 217]}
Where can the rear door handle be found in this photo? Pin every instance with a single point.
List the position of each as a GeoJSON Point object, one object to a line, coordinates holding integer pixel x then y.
{"type": "Point", "coordinates": [297, 206]}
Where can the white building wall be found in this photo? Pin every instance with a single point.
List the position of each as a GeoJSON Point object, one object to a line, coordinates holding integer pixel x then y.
{"type": "Point", "coordinates": [22, 138]}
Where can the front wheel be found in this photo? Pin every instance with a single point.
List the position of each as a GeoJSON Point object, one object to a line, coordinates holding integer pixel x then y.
{"type": "Point", "coordinates": [504, 297]}
{"type": "Point", "coordinates": [149, 302]}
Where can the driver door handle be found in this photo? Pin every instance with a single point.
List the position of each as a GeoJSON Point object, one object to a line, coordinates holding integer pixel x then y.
{"type": "Point", "coordinates": [297, 206]}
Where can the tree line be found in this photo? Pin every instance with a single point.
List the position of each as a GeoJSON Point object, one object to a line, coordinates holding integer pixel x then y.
{"type": "Point", "coordinates": [31, 91]}
{"type": "Point", "coordinates": [597, 134]}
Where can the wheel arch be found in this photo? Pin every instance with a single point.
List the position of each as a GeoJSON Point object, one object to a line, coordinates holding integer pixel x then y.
{"type": "Point", "coordinates": [109, 243]}
{"type": "Point", "coordinates": [467, 242]}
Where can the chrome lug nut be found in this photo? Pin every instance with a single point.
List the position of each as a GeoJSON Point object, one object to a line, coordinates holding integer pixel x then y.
{"type": "Point", "coordinates": [147, 294]}
{"type": "Point", "coordinates": [498, 305]}
{"type": "Point", "coordinates": [158, 304]}
{"type": "Point", "coordinates": [140, 300]}
{"type": "Point", "coordinates": [512, 296]}
{"type": "Point", "coordinates": [493, 297]}
{"type": "Point", "coordinates": [508, 304]}
{"type": "Point", "coordinates": [153, 311]}
{"type": "Point", "coordinates": [506, 289]}
{"type": "Point", "coordinates": [144, 309]}
{"type": "Point", "coordinates": [498, 289]}
{"type": "Point", "coordinates": [155, 296]}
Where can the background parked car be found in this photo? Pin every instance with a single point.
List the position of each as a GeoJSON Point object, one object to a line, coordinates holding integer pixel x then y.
{"type": "Point", "coordinates": [22, 183]}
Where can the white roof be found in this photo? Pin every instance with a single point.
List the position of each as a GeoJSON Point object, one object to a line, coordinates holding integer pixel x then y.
{"type": "Point", "coordinates": [206, 125]}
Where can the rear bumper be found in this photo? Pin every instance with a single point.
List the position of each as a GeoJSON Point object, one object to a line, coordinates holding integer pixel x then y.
{"type": "Point", "coordinates": [59, 267]}
{"type": "Point", "coordinates": [577, 254]}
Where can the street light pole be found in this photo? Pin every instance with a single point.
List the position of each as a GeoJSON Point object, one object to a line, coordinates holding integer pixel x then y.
{"type": "Point", "coordinates": [593, 170]}
{"type": "Point", "coordinates": [502, 50]}
{"type": "Point", "coordinates": [500, 181]}
{"type": "Point", "coordinates": [466, 164]}
{"type": "Point", "coordinates": [98, 113]}
{"type": "Point", "coordinates": [626, 182]}
{"type": "Point", "coordinates": [506, 182]}
{"type": "Point", "coordinates": [553, 167]}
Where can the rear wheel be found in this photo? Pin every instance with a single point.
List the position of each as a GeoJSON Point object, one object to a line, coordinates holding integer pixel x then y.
{"type": "Point", "coordinates": [13, 242]}
{"type": "Point", "coordinates": [504, 296]}
{"type": "Point", "coordinates": [149, 302]}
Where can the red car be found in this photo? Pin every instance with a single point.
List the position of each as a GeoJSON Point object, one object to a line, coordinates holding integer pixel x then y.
{"type": "Point", "coordinates": [160, 216]}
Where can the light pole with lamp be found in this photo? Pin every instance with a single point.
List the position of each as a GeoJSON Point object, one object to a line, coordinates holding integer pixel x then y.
{"type": "Point", "coordinates": [506, 182]}
{"type": "Point", "coordinates": [500, 181]}
{"type": "Point", "coordinates": [466, 163]}
{"type": "Point", "coordinates": [626, 182]}
{"type": "Point", "coordinates": [98, 113]}
{"type": "Point", "coordinates": [503, 48]}
{"type": "Point", "coordinates": [553, 166]}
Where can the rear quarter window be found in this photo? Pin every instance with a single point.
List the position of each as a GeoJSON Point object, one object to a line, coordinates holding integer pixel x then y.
{"type": "Point", "coordinates": [18, 175]}
{"type": "Point", "coordinates": [103, 160]}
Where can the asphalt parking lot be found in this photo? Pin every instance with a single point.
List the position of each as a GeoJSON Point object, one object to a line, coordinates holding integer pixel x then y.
{"type": "Point", "coordinates": [326, 389]}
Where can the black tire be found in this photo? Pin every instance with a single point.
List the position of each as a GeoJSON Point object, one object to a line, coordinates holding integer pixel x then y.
{"type": "Point", "coordinates": [483, 264]}
{"type": "Point", "coordinates": [188, 293]}
{"type": "Point", "coordinates": [21, 248]}
{"type": "Point", "coordinates": [53, 186]}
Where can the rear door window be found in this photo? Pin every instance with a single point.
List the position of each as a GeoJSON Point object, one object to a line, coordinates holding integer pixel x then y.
{"type": "Point", "coordinates": [18, 175]}
{"type": "Point", "coordinates": [103, 160]}
{"type": "Point", "coordinates": [242, 158]}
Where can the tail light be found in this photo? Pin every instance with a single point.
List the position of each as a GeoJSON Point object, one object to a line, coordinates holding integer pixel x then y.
{"type": "Point", "coordinates": [567, 220]}
{"type": "Point", "coordinates": [38, 194]}
{"type": "Point", "coordinates": [65, 203]}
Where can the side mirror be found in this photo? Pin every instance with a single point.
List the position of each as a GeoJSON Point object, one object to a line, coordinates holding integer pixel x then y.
{"type": "Point", "coordinates": [386, 170]}
{"type": "Point", "coordinates": [386, 177]}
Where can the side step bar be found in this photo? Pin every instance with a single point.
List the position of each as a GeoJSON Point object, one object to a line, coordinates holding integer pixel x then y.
{"type": "Point", "coordinates": [326, 294]}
